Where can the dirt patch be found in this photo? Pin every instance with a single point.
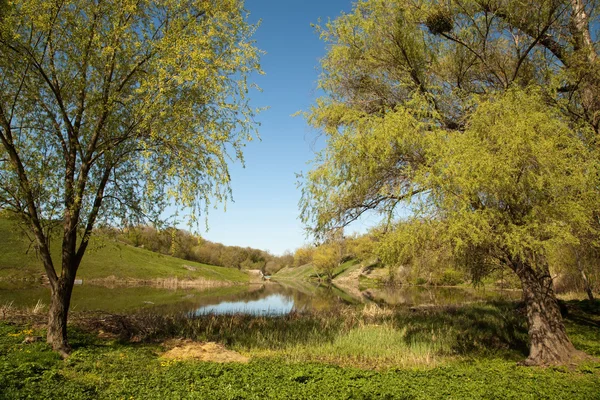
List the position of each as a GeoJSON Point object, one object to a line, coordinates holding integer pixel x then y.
{"type": "Point", "coordinates": [349, 283]}
{"type": "Point", "coordinates": [210, 351]}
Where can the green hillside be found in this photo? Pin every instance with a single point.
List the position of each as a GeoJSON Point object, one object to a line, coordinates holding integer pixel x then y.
{"type": "Point", "coordinates": [303, 272]}
{"type": "Point", "coordinates": [307, 271]}
{"type": "Point", "coordinates": [348, 268]}
{"type": "Point", "coordinates": [104, 258]}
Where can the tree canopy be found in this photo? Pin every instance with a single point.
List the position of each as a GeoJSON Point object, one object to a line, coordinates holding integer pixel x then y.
{"type": "Point", "coordinates": [111, 109]}
{"type": "Point", "coordinates": [480, 118]}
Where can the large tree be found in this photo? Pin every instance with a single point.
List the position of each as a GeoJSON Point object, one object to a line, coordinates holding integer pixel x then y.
{"type": "Point", "coordinates": [483, 115]}
{"type": "Point", "coordinates": [110, 109]}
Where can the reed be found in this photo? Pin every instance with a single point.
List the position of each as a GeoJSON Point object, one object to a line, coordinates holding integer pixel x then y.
{"type": "Point", "coordinates": [370, 337]}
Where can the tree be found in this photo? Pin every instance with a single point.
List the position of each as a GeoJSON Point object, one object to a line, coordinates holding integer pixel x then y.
{"type": "Point", "coordinates": [287, 259]}
{"type": "Point", "coordinates": [576, 266]}
{"type": "Point", "coordinates": [326, 259]}
{"type": "Point", "coordinates": [109, 110]}
{"type": "Point", "coordinates": [303, 255]}
{"type": "Point", "coordinates": [420, 250]}
{"type": "Point", "coordinates": [406, 84]}
{"type": "Point", "coordinates": [328, 256]}
{"type": "Point", "coordinates": [517, 182]}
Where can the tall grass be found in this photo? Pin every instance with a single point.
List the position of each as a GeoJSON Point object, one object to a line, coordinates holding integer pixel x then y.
{"type": "Point", "coordinates": [369, 337]}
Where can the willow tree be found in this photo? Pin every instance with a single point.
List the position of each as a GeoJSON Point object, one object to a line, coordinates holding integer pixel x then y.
{"type": "Point", "coordinates": [111, 109]}
{"type": "Point", "coordinates": [482, 115]}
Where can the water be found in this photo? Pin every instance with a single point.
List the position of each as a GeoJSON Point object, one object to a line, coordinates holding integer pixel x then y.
{"type": "Point", "coordinates": [267, 299]}
{"type": "Point", "coordinates": [273, 304]}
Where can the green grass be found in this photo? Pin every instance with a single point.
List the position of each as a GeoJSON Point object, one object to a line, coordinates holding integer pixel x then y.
{"type": "Point", "coordinates": [346, 266]}
{"type": "Point", "coordinates": [374, 353]}
{"type": "Point", "coordinates": [349, 267]}
{"type": "Point", "coordinates": [104, 258]}
{"type": "Point", "coordinates": [304, 272]}
{"type": "Point", "coordinates": [308, 271]}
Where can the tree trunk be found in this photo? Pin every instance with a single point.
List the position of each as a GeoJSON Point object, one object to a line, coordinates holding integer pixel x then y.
{"type": "Point", "coordinates": [586, 282]}
{"type": "Point", "coordinates": [550, 344]}
{"type": "Point", "coordinates": [57, 316]}
{"type": "Point", "coordinates": [587, 286]}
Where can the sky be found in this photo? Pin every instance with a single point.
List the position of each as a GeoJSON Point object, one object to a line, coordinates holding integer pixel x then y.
{"type": "Point", "coordinates": [265, 211]}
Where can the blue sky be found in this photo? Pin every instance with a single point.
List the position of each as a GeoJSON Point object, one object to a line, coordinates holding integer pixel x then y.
{"type": "Point", "coordinates": [265, 212]}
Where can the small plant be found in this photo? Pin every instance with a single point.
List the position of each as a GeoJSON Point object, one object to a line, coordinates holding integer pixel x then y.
{"type": "Point", "coordinates": [6, 309]}
{"type": "Point", "coordinates": [451, 277]}
{"type": "Point", "coordinates": [39, 307]}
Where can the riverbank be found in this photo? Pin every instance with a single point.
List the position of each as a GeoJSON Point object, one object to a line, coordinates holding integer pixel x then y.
{"type": "Point", "coordinates": [462, 352]}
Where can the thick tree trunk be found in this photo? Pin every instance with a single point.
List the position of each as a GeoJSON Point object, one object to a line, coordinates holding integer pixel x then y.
{"type": "Point", "coordinates": [57, 316]}
{"type": "Point", "coordinates": [550, 344]}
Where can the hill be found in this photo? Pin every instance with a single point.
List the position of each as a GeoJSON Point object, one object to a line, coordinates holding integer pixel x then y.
{"type": "Point", "coordinates": [308, 271]}
{"type": "Point", "coordinates": [303, 272]}
{"type": "Point", "coordinates": [104, 258]}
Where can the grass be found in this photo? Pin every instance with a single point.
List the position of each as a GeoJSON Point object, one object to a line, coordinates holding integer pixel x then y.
{"type": "Point", "coordinates": [308, 271]}
{"type": "Point", "coordinates": [349, 267]}
{"type": "Point", "coordinates": [464, 352]}
{"type": "Point", "coordinates": [304, 272]}
{"type": "Point", "coordinates": [105, 258]}
{"type": "Point", "coordinates": [346, 266]}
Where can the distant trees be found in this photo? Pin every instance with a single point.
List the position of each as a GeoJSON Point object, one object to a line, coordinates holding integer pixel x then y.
{"type": "Point", "coordinates": [577, 267]}
{"type": "Point", "coordinates": [182, 244]}
{"type": "Point", "coordinates": [326, 259]}
{"type": "Point", "coordinates": [419, 248]}
{"type": "Point", "coordinates": [303, 255]}
{"type": "Point", "coordinates": [329, 255]}
{"type": "Point", "coordinates": [361, 247]}
{"type": "Point", "coordinates": [287, 259]}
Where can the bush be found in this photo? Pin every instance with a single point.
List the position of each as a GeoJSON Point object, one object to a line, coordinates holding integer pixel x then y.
{"type": "Point", "coordinates": [451, 277]}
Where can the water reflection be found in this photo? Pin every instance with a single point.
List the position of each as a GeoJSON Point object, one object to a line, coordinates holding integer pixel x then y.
{"type": "Point", "coordinates": [273, 304]}
{"type": "Point", "coordinates": [266, 299]}
{"type": "Point", "coordinates": [439, 296]}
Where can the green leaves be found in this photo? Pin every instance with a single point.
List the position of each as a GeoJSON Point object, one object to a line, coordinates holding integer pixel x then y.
{"type": "Point", "coordinates": [371, 163]}
{"type": "Point", "coordinates": [519, 176]}
{"type": "Point", "coordinates": [155, 93]}
{"type": "Point", "coordinates": [517, 182]}
{"type": "Point", "coordinates": [463, 114]}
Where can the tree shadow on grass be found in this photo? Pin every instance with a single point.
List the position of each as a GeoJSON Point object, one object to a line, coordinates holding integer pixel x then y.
{"type": "Point", "coordinates": [582, 312]}
{"type": "Point", "coordinates": [495, 329]}
{"type": "Point", "coordinates": [476, 329]}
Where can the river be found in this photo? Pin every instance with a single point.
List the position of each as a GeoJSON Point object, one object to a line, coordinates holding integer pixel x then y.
{"type": "Point", "coordinates": [270, 298]}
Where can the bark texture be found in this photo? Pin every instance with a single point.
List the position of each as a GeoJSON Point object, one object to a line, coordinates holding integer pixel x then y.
{"type": "Point", "coordinates": [57, 317]}
{"type": "Point", "coordinates": [61, 291]}
{"type": "Point", "coordinates": [550, 344]}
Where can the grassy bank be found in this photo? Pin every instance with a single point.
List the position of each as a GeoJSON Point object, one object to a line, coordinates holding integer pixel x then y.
{"type": "Point", "coordinates": [105, 259]}
{"type": "Point", "coordinates": [304, 272]}
{"type": "Point", "coordinates": [466, 352]}
{"type": "Point", "coordinates": [308, 272]}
